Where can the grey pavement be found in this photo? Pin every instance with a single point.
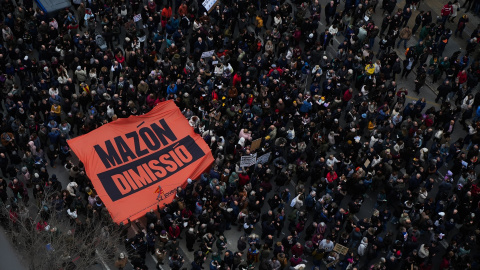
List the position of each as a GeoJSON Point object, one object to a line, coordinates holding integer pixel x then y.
{"type": "Point", "coordinates": [8, 256]}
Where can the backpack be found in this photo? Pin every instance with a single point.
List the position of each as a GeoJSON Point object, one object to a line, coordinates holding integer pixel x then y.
{"type": "Point", "coordinates": [293, 215]}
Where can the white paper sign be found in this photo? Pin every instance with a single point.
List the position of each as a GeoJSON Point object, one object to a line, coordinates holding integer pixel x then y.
{"type": "Point", "coordinates": [208, 4]}
{"type": "Point", "coordinates": [137, 17]}
{"type": "Point", "coordinates": [208, 54]}
{"type": "Point", "coordinates": [263, 158]}
{"type": "Point", "coordinates": [247, 161]}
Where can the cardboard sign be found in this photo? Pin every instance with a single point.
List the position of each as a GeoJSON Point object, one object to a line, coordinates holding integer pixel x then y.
{"type": "Point", "coordinates": [255, 144]}
{"type": "Point", "coordinates": [247, 161]}
{"type": "Point", "coordinates": [367, 162]}
{"type": "Point", "coordinates": [340, 249]}
{"type": "Point", "coordinates": [138, 162]}
{"type": "Point", "coordinates": [332, 263]}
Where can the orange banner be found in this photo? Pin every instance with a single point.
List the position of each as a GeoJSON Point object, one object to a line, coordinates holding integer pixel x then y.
{"type": "Point", "coordinates": [138, 162]}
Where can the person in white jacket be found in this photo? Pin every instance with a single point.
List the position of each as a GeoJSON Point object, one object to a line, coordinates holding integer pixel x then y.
{"type": "Point", "coordinates": [277, 20]}
{"type": "Point", "coordinates": [455, 8]}
{"type": "Point", "coordinates": [72, 213]}
{"type": "Point", "coordinates": [467, 102]}
{"type": "Point", "coordinates": [333, 29]}
{"type": "Point", "coordinates": [423, 251]}
{"type": "Point", "coordinates": [71, 188]}
{"type": "Point", "coordinates": [362, 248]}
{"type": "Point", "coordinates": [326, 244]}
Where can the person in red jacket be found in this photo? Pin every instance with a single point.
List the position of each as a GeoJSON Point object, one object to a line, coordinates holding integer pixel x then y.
{"type": "Point", "coordinates": [297, 250]}
{"type": "Point", "coordinates": [237, 79]}
{"type": "Point", "coordinates": [446, 11]}
{"type": "Point", "coordinates": [274, 67]}
{"type": "Point", "coordinates": [174, 231]}
{"type": "Point", "coordinates": [347, 95]}
{"type": "Point", "coordinates": [332, 176]}
{"type": "Point", "coordinates": [462, 77]}
{"type": "Point", "coordinates": [243, 179]}
{"type": "Point", "coordinates": [429, 120]}
{"type": "Point", "coordinates": [445, 264]}
{"type": "Point", "coordinates": [17, 187]}
{"type": "Point", "coordinates": [182, 10]}
{"type": "Point", "coordinates": [152, 7]}
{"type": "Point", "coordinates": [166, 12]}
{"type": "Point", "coordinates": [295, 260]}
{"type": "Point", "coordinates": [41, 225]}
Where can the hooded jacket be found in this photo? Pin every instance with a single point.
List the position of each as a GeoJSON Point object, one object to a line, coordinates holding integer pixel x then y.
{"type": "Point", "coordinates": [362, 248]}
{"type": "Point", "coordinates": [71, 188]}
{"type": "Point", "coordinates": [423, 252]}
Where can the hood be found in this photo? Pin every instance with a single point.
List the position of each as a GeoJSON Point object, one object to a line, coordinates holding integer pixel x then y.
{"type": "Point", "coordinates": [73, 184]}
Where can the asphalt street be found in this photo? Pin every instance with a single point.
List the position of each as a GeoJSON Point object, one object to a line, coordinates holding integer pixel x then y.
{"type": "Point", "coordinates": [8, 256]}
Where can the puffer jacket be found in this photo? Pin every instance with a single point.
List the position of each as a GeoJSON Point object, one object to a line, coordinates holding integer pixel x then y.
{"type": "Point", "coordinates": [362, 248]}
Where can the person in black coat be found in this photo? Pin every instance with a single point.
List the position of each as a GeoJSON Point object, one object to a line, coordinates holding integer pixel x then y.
{"type": "Point", "coordinates": [228, 259]}
{"type": "Point", "coordinates": [443, 90]}
{"type": "Point", "coordinates": [268, 228]}
{"type": "Point", "coordinates": [330, 10]}
{"type": "Point", "coordinates": [420, 79]}
{"type": "Point", "coordinates": [325, 39]}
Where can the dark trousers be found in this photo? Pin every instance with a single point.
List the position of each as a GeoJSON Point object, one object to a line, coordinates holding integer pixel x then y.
{"type": "Point", "coordinates": [406, 72]}
{"type": "Point", "coordinates": [415, 28]}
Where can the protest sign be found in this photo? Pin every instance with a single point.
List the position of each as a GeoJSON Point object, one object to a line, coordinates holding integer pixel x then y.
{"type": "Point", "coordinates": [138, 162]}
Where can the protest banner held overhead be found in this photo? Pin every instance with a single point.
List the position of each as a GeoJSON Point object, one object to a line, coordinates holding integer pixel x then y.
{"type": "Point", "coordinates": [129, 159]}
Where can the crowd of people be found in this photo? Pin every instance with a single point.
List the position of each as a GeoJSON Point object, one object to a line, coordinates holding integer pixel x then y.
{"type": "Point", "coordinates": [338, 126]}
